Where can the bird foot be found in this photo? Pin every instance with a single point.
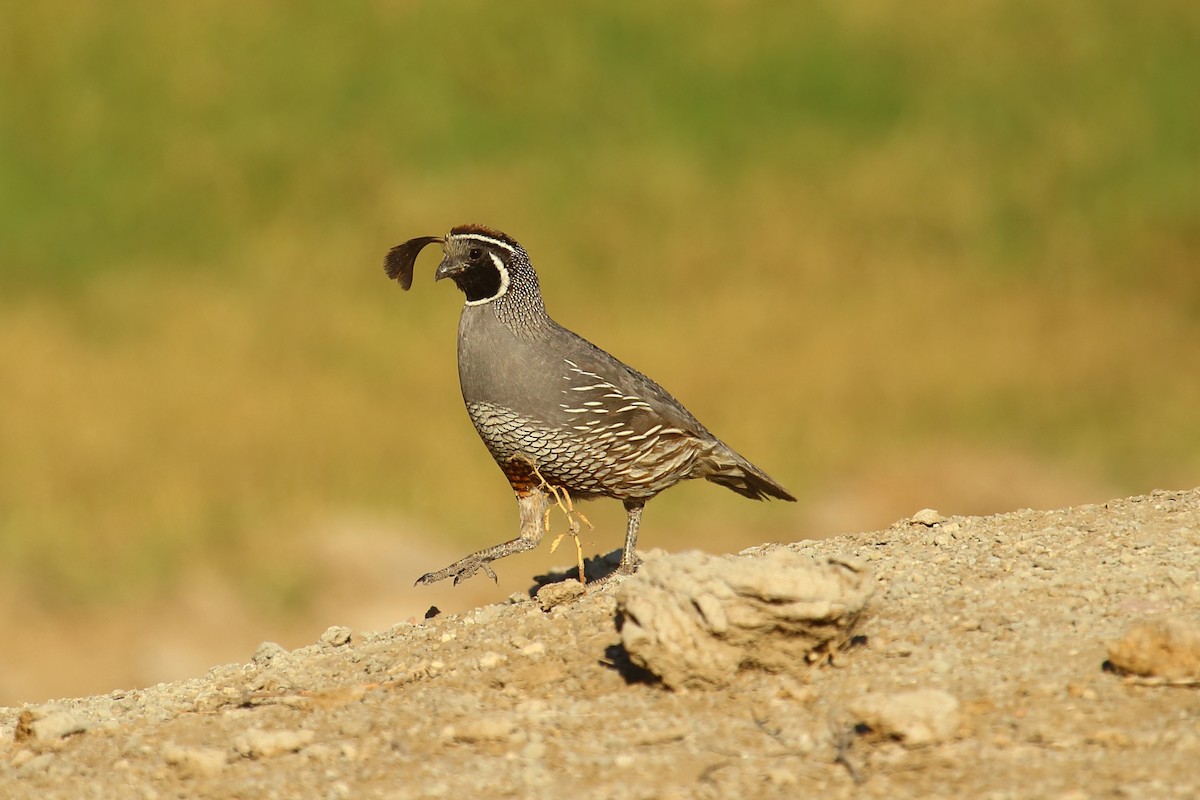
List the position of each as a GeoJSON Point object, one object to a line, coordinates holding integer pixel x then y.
{"type": "Point", "coordinates": [460, 570]}
{"type": "Point", "coordinates": [619, 574]}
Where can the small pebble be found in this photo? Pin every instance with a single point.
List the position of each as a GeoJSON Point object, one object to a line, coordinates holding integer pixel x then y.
{"type": "Point", "coordinates": [194, 760]}
{"type": "Point", "coordinates": [782, 777]}
{"type": "Point", "coordinates": [1164, 648]}
{"type": "Point", "coordinates": [1073, 794]}
{"type": "Point", "coordinates": [533, 649]}
{"type": "Point", "coordinates": [480, 729]}
{"type": "Point", "coordinates": [38, 763]}
{"type": "Point", "coordinates": [535, 775]}
{"type": "Point", "coordinates": [268, 651]}
{"type": "Point", "coordinates": [259, 743]}
{"type": "Point", "coordinates": [927, 517]}
{"type": "Point", "coordinates": [43, 725]}
{"type": "Point", "coordinates": [209, 700]}
{"type": "Point", "coordinates": [1109, 738]}
{"type": "Point", "coordinates": [336, 636]}
{"type": "Point", "coordinates": [1081, 692]}
{"type": "Point", "coordinates": [917, 718]}
{"type": "Point", "coordinates": [534, 751]}
{"type": "Point", "coordinates": [490, 660]}
{"type": "Point", "coordinates": [555, 594]}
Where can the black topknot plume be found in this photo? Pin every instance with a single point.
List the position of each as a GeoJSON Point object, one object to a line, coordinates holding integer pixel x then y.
{"type": "Point", "coordinates": [400, 259]}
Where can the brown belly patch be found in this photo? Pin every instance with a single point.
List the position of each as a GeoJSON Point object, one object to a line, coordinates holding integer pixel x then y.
{"type": "Point", "coordinates": [522, 474]}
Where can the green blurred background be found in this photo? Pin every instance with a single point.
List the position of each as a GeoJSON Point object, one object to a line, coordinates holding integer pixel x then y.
{"type": "Point", "coordinates": [899, 255]}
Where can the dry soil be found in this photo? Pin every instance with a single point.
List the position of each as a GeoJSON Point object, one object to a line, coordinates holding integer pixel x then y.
{"type": "Point", "coordinates": [979, 670]}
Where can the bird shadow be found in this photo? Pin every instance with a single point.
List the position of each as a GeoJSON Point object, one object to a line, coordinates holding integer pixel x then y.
{"type": "Point", "coordinates": [595, 569]}
{"type": "Point", "coordinates": [616, 658]}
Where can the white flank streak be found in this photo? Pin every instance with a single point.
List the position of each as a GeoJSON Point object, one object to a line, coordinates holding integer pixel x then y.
{"type": "Point", "coordinates": [575, 368]}
{"type": "Point", "coordinates": [646, 435]}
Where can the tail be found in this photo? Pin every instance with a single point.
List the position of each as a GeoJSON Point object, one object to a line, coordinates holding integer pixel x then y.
{"type": "Point", "coordinates": [729, 469]}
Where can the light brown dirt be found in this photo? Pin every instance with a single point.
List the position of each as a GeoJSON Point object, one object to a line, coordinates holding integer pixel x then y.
{"type": "Point", "coordinates": [979, 665]}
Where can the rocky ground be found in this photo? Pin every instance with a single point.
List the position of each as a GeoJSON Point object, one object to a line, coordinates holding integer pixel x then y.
{"type": "Point", "coordinates": [1031, 654]}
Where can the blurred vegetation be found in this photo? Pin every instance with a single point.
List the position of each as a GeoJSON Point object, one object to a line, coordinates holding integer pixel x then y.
{"type": "Point", "coordinates": [845, 234]}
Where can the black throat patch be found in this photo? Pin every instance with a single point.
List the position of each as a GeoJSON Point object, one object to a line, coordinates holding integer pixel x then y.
{"type": "Point", "coordinates": [481, 282]}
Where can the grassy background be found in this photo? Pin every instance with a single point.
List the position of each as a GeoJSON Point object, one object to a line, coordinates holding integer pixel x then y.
{"type": "Point", "coordinates": [898, 255]}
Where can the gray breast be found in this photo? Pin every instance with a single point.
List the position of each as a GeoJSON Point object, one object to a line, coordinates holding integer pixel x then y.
{"type": "Point", "coordinates": [587, 421]}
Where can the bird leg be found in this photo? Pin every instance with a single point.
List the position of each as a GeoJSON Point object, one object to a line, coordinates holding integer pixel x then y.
{"type": "Point", "coordinates": [629, 559]}
{"type": "Point", "coordinates": [535, 507]}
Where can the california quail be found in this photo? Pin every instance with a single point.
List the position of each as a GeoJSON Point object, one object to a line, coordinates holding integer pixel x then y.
{"type": "Point", "coordinates": [557, 411]}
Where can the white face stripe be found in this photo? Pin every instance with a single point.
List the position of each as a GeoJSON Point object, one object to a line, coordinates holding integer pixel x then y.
{"type": "Point", "coordinates": [480, 237]}
{"type": "Point", "coordinates": [503, 276]}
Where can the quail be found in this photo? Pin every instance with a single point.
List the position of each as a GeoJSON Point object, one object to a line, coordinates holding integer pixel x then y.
{"type": "Point", "coordinates": [555, 411]}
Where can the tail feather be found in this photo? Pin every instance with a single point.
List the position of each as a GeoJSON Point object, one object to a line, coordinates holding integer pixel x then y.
{"type": "Point", "coordinates": [729, 469]}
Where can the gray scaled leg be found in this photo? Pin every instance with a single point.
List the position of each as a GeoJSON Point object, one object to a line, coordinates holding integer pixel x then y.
{"type": "Point", "coordinates": [533, 519]}
{"type": "Point", "coordinates": [629, 559]}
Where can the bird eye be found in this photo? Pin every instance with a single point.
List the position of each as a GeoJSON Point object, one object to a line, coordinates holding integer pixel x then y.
{"type": "Point", "coordinates": [475, 254]}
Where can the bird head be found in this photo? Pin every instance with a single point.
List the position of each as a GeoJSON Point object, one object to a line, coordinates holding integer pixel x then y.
{"type": "Point", "coordinates": [479, 260]}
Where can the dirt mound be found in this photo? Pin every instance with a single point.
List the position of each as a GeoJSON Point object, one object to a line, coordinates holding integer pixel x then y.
{"type": "Point", "coordinates": [978, 668]}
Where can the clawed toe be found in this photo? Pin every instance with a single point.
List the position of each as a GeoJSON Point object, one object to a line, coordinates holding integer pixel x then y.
{"type": "Point", "coordinates": [428, 578]}
{"type": "Point", "coordinates": [470, 570]}
{"type": "Point", "coordinates": [460, 570]}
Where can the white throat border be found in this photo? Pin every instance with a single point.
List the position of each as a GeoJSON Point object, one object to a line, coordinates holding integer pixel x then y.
{"type": "Point", "coordinates": [503, 270]}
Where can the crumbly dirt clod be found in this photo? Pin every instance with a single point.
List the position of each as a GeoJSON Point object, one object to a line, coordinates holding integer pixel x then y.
{"type": "Point", "coordinates": [916, 719]}
{"type": "Point", "coordinates": [46, 726]}
{"type": "Point", "coordinates": [1163, 648]}
{"type": "Point", "coordinates": [695, 619]}
{"type": "Point", "coordinates": [1006, 616]}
